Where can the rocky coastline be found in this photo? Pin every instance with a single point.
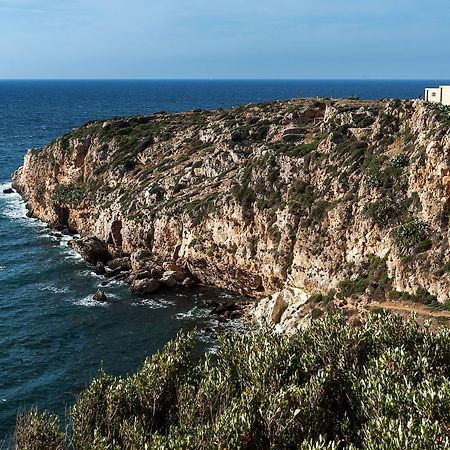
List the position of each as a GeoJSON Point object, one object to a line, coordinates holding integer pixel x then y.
{"type": "Point", "coordinates": [311, 205]}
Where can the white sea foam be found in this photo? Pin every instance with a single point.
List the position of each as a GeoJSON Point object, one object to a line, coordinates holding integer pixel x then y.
{"type": "Point", "coordinates": [54, 289]}
{"type": "Point", "coordinates": [226, 295]}
{"type": "Point", "coordinates": [14, 208]}
{"type": "Point", "coordinates": [89, 302]}
{"type": "Point", "coordinates": [71, 256]}
{"type": "Point", "coordinates": [194, 313]}
{"type": "Point", "coordinates": [153, 303]}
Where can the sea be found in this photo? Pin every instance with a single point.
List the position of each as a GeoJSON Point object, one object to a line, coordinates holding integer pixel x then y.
{"type": "Point", "coordinates": [54, 337]}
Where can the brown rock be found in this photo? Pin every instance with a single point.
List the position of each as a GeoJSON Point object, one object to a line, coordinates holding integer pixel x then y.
{"type": "Point", "coordinates": [188, 281]}
{"type": "Point", "coordinates": [145, 286]}
{"type": "Point", "coordinates": [99, 269]}
{"type": "Point", "coordinates": [123, 263]}
{"type": "Point", "coordinates": [100, 296]}
{"type": "Point", "coordinates": [167, 266]}
{"type": "Point", "coordinates": [179, 276]}
{"type": "Point", "coordinates": [157, 272]}
{"type": "Point", "coordinates": [169, 282]}
{"type": "Point", "coordinates": [91, 249]}
{"type": "Point", "coordinates": [145, 274]}
{"type": "Point", "coordinates": [141, 260]}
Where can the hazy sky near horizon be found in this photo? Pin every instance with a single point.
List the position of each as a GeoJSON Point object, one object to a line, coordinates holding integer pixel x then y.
{"type": "Point", "coordinates": [224, 39]}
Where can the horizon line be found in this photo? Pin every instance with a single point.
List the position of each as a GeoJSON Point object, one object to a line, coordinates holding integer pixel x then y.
{"type": "Point", "coordinates": [224, 79]}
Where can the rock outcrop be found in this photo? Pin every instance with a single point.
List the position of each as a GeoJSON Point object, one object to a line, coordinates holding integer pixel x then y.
{"type": "Point", "coordinates": [309, 196]}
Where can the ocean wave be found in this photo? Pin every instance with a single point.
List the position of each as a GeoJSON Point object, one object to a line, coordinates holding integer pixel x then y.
{"type": "Point", "coordinates": [14, 208]}
{"type": "Point", "coordinates": [194, 313]}
{"type": "Point", "coordinates": [153, 303]}
{"type": "Point", "coordinates": [71, 255]}
{"type": "Point", "coordinates": [89, 302]}
{"type": "Point", "coordinates": [54, 289]}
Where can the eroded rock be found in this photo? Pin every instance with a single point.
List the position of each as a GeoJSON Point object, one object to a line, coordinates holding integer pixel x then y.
{"type": "Point", "coordinates": [92, 249]}
{"type": "Point", "coordinates": [146, 286]}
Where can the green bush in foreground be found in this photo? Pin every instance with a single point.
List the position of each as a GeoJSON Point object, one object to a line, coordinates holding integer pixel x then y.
{"type": "Point", "coordinates": [384, 385]}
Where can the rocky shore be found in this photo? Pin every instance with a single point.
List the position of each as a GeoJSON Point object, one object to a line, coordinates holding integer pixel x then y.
{"type": "Point", "coordinates": [310, 205]}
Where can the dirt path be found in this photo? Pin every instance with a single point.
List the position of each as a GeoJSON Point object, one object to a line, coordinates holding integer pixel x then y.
{"type": "Point", "coordinates": [411, 308]}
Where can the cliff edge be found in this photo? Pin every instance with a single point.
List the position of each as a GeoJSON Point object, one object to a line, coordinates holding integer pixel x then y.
{"type": "Point", "coordinates": [320, 201]}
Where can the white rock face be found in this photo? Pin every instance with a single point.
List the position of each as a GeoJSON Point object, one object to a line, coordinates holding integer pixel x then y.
{"type": "Point", "coordinates": [223, 195]}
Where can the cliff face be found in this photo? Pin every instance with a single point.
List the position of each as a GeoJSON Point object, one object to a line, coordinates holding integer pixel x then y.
{"type": "Point", "coordinates": [305, 194]}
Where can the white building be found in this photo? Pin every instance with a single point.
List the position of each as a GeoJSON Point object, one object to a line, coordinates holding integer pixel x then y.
{"type": "Point", "coordinates": [438, 95]}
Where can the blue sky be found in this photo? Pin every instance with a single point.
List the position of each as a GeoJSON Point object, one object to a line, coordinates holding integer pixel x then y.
{"type": "Point", "coordinates": [224, 39]}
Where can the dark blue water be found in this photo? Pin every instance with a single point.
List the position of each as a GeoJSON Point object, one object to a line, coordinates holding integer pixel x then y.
{"type": "Point", "coordinates": [53, 337]}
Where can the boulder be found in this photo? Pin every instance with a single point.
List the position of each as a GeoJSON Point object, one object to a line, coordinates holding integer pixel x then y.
{"type": "Point", "coordinates": [113, 273]}
{"type": "Point", "coordinates": [122, 263]}
{"type": "Point", "coordinates": [279, 307]}
{"type": "Point", "coordinates": [145, 274]}
{"type": "Point", "coordinates": [147, 286]}
{"type": "Point", "coordinates": [115, 252]}
{"type": "Point", "coordinates": [141, 260]}
{"type": "Point", "coordinates": [188, 281]}
{"type": "Point", "coordinates": [169, 282]}
{"type": "Point", "coordinates": [157, 271]}
{"type": "Point", "coordinates": [100, 296]}
{"type": "Point", "coordinates": [167, 266]}
{"type": "Point", "coordinates": [8, 191]}
{"type": "Point", "coordinates": [99, 269]}
{"type": "Point", "coordinates": [91, 249]}
{"type": "Point", "coordinates": [179, 276]}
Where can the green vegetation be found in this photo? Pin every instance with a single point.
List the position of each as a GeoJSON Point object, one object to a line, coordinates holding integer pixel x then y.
{"type": "Point", "coordinates": [38, 431]}
{"type": "Point", "coordinates": [384, 385]}
{"type": "Point", "coordinates": [71, 194]}
{"type": "Point", "coordinates": [413, 237]}
{"type": "Point", "coordinates": [39, 193]}
{"type": "Point", "coordinates": [322, 299]}
{"type": "Point", "coordinates": [442, 112]}
{"type": "Point", "coordinates": [380, 212]}
{"type": "Point", "coordinates": [446, 267]}
{"type": "Point", "coordinates": [373, 275]}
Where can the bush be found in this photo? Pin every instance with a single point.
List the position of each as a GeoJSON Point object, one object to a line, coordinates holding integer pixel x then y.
{"type": "Point", "coordinates": [412, 237]}
{"type": "Point", "coordinates": [71, 194]}
{"type": "Point", "coordinates": [383, 385]}
{"type": "Point", "coordinates": [38, 431]}
{"type": "Point", "coordinates": [380, 211]}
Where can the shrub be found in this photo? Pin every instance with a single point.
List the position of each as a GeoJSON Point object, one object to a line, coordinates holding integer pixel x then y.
{"type": "Point", "coordinates": [412, 237]}
{"type": "Point", "coordinates": [70, 194]}
{"type": "Point", "coordinates": [383, 385]}
{"type": "Point", "coordinates": [40, 194]}
{"type": "Point", "coordinates": [380, 211]}
{"type": "Point", "coordinates": [38, 431]}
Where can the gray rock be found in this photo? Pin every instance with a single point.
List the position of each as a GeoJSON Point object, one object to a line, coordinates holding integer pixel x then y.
{"type": "Point", "coordinates": [113, 273]}
{"type": "Point", "coordinates": [8, 191]}
{"type": "Point", "coordinates": [145, 286]}
{"type": "Point", "coordinates": [142, 260]}
{"type": "Point", "coordinates": [292, 137]}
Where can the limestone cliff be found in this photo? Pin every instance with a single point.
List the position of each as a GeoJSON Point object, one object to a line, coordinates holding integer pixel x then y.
{"type": "Point", "coordinates": [318, 195]}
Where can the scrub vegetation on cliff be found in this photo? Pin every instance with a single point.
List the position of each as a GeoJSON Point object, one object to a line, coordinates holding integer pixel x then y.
{"type": "Point", "coordinates": [301, 194]}
{"type": "Point", "coordinates": [382, 385]}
